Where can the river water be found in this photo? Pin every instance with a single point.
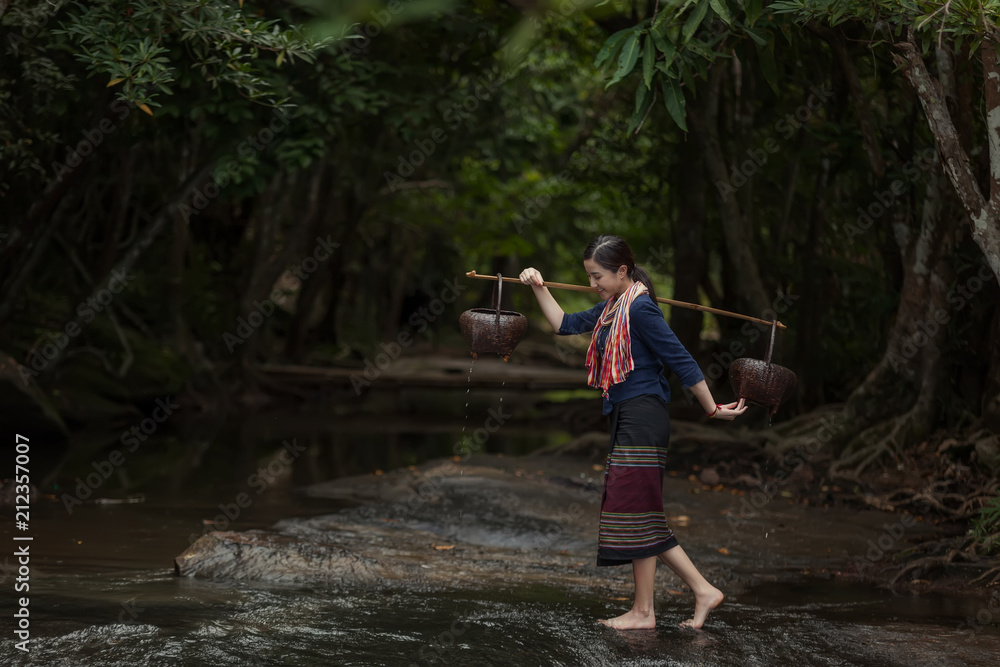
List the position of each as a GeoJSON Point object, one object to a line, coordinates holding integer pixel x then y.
{"type": "Point", "coordinates": [103, 592]}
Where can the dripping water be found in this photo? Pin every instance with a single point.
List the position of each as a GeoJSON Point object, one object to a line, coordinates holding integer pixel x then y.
{"type": "Point", "coordinates": [468, 388]}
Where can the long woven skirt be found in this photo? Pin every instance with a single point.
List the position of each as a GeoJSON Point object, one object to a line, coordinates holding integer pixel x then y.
{"type": "Point", "coordinates": [633, 524]}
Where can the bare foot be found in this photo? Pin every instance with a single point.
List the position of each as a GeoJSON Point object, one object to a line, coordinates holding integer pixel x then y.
{"type": "Point", "coordinates": [633, 620]}
{"type": "Point", "coordinates": [704, 602]}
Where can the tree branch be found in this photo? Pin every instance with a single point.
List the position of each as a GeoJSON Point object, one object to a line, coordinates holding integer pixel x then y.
{"type": "Point", "coordinates": [983, 213]}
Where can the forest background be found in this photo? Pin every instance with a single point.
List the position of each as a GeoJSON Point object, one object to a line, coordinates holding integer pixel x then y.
{"type": "Point", "coordinates": [192, 189]}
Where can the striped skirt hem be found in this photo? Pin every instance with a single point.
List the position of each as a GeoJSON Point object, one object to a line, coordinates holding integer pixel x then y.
{"type": "Point", "coordinates": [633, 524]}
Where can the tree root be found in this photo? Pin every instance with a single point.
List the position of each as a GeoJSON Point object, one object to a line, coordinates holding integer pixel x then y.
{"type": "Point", "coordinates": [885, 439]}
{"type": "Point", "coordinates": [860, 459]}
{"type": "Point", "coordinates": [930, 562]}
{"type": "Point", "coordinates": [983, 577]}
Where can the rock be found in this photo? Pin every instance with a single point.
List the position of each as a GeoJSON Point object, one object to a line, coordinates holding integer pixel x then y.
{"type": "Point", "coordinates": [709, 476]}
{"type": "Point", "coordinates": [446, 524]}
{"type": "Point", "coordinates": [262, 556]}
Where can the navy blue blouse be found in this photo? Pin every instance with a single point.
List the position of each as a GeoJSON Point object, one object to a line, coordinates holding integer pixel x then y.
{"type": "Point", "coordinates": [654, 346]}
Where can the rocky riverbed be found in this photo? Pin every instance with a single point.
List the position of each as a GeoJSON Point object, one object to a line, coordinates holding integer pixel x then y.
{"type": "Point", "coordinates": [500, 521]}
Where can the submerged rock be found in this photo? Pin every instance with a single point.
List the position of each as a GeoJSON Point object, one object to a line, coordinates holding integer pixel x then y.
{"type": "Point", "coordinates": [263, 556]}
{"type": "Point", "coordinates": [448, 523]}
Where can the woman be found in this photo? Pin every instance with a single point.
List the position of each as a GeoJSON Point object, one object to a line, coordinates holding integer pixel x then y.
{"type": "Point", "coordinates": [630, 346]}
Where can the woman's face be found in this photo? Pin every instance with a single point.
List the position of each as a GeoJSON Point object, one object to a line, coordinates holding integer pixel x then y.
{"type": "Point", "coordinates": [609, 284]}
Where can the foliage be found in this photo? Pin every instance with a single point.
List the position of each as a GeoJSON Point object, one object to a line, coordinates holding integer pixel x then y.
{"type": "Point", "coordinates": [986, 527]}
{"type": "Point", "coordinates": [142, 45]}
{"type": "Point", "coordinates": [678, 43]}
{"type": "Point", "coordinates": [463, 136]}
{"type": "Point", "coordinates": [968, 21]}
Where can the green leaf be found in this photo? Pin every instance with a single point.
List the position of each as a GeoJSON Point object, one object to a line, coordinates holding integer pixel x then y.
{"type": "Point", "coordinates": [611, 45]}
{"type": "Point", "coordinates": [685, 70]}
{"type": "Point", "coordinates": [760, 37]}
{"type": "Point", "coordinates": [722, 10]}
{"type": "Point", "coordinates": [768, 66]}
{"type": "Point", "coordinates": [694, 20]}
{"type": "Point", "coordinates": [673, 97]}
{"type": "Point", "coordinates": [666, 46]}
{"type": "Point", "coordinates": [643, 100]}
{"type": "Point", "coordinates": [627, 60]}
{"type": "Point", "coordinates": [753, 10]}
{"type": "Point", "coordinates": [648, 62]}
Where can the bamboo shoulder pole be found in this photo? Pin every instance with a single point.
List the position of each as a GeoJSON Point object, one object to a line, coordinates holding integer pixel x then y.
{"type": "Point", "coordinates": [681, 304]}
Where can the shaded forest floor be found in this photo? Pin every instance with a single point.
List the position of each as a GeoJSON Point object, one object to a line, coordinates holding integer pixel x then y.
{"type": "Point", "coordinates": [937, 485]}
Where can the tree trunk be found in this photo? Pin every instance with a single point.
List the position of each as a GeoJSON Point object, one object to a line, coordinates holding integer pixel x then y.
{"type": "Point", "coordinates": [735, 224]}
{"type": "Point", "coordinates": [859, 100]}
{"type": "Point", "coordinates": [811, 297]}
{"type": "Point", "coordinates": [690, 259]}
{"type": "Point", "coordinates": [314, 287]}
{"type": "Point", "coordinates": [991, 394]}
{"type": "Point", "coordinates": [893, 406]}
{"type": "Point", "coordinates": [277, 248]}
{"type": "Point", "coordinates": [984, 215]}
{"type": "Point", "coordinates": [183, 338]}
{"type": "Point", "coordinates": [151, 233]}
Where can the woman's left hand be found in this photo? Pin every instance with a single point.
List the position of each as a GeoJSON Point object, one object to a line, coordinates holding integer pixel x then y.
{"type": "Point", "coordinates": [731, 411]}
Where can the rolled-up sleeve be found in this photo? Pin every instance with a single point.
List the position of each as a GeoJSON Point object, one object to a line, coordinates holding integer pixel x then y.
{"type": "Point", "coordinates": [648, 324]}
{"type": "Point", "coordinates": [581, 322]}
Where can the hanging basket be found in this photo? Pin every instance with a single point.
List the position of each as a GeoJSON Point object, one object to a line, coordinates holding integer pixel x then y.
{"type": "Point", "coordinates": [761, 382]}
{"type": "Point", "coordinates": [491, 330]}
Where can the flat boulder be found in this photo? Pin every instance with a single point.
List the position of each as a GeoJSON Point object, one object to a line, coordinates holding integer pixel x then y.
{"type": "Point", "coordinates": [269, 557]}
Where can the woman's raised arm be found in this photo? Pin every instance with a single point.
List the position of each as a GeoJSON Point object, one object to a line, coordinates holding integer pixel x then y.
{"type": "Point", "coordinates": [552, 311]}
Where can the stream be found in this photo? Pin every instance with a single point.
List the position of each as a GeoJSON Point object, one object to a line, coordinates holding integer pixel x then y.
{"type": "Point", "coordinates": [103, 588]}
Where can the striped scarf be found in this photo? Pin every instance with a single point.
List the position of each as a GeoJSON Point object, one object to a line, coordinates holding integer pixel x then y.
{"type": "Point", "coordinates": [617, 360]}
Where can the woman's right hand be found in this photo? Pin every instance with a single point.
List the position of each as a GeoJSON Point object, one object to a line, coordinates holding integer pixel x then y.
{"type": "Point", "coordinates": [531, 276]}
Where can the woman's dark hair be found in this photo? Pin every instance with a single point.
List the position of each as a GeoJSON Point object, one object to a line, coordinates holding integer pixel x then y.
{"type": "Point", "coordinates": [611, 252]}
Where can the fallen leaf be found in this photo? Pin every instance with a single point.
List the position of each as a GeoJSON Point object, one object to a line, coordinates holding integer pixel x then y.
{"type": "Point", "coordinates": [379, 472]}
{"type": "Point", "coordinates": [597, 466]}
{"type": "Point", "coordinates": [724, 551]}
{"type": "Point", "coordinates": [444, 547]}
